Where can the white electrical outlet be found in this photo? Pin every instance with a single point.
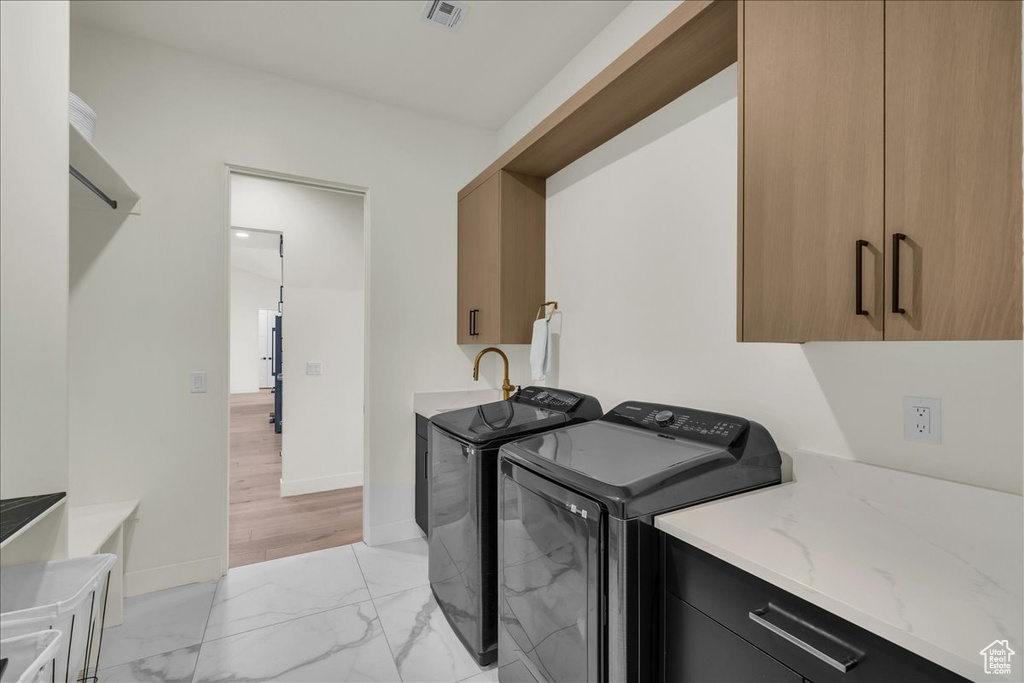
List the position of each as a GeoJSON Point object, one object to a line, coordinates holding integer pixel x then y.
{"type": "Point", "coordinates": [922, 419]}
{"type": "Point", "coordinates": [197, 382]}
{"type": "Point", "coordinates": [314, 367]}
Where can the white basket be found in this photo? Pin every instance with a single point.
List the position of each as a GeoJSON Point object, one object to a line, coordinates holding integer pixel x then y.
{"type": "Point", "coordinates": [81, 116]}
{"type": "Point", "coordinates": [29, 657]}
{"type": "Point", "coordinates": [65, 595]}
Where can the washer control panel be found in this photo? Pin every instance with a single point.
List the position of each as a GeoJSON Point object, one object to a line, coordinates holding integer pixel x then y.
{"type": "Point", "coordinates": [686, 423]}
{"type": "Point", "coordinates": [554, 399]}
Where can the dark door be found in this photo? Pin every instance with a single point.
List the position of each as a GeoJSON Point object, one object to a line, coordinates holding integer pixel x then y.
{"type": "Point", "coordinates": [278, 364]}
{"type": "Point", "coordinates": [278, 378]}
{"type": "Point", "coordinates": [551, 593]}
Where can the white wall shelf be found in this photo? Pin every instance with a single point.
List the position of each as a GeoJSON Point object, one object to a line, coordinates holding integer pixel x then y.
{"type": "Point", "coordinates": [87, 160]}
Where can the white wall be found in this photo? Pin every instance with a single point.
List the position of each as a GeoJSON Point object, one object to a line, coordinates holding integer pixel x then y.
{"type": "Point", "coordinates": [34, 264]}
{"type": "Point", "coordinates": [322, 445]}
{"type": "Point", "coordinates": [633, 22]}
{"type": "Point", "coordinates": [255, 279]}
{"type": "Point", "coordinates": [170, 121]}
{"type": "Point", "coordinates": [641, 255]}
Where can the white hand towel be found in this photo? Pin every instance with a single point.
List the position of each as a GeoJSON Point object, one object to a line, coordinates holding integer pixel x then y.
{"type": "Point", "coordinates": [540, 349]}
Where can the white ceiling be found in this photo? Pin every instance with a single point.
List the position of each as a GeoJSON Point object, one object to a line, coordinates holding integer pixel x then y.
{"type": "Point", "coordinates": [257, 239]}
{"type": "Point", "coordinates": [257, 254]}
{"type": "Point", "coordinates": [502, 54]}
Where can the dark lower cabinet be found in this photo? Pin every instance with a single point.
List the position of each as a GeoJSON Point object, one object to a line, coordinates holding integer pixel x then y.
{"type": "Point", "coordinates": [422, 472]}
{"type": "Point", "coordinates": [722, 624]}
{"type": "Point", "coordinates": [704, 650]}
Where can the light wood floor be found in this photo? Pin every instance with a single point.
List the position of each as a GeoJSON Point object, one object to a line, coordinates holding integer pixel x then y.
{"type": "Point", "coordinates": [263, 525]}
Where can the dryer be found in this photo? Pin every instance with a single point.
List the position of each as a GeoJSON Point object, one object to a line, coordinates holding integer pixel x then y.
{"type": "Point", "coordinates": [578, 551]}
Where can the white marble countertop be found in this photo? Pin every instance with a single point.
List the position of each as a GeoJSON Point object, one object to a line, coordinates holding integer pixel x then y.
{"type": "Point", "coordinates": [430, 403]}
{"type": "Point", "coordinates": [933, 566]}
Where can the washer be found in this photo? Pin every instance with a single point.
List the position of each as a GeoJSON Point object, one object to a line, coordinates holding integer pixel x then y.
{"type": "Point", "coordinates": [462, 502]}
{"type": "Point", "coordinates": [578, 551]}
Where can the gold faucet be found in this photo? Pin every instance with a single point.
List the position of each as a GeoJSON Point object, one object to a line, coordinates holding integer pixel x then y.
{"type": "Point", "coordinates": [506, 387]}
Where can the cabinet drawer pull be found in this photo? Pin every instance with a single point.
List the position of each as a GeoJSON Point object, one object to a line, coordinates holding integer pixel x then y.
{"type": "Point", "coordinates": [897, 237]}
{"type": "Point", "coordinates": [472, 322]}
{"type": "Point", "coordinates": [770, 614]}
{"type": "Point", "coordinates": [860, 277]}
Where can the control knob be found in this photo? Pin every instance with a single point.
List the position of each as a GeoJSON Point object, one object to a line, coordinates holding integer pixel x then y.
{"type": "Point", "coordinates": [664, 417]}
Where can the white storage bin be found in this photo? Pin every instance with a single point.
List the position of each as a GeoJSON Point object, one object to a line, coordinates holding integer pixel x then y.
{"type": "Point", "coordinates": [29, 657]}
{"type": "Point", "coordinates": [64, 595]}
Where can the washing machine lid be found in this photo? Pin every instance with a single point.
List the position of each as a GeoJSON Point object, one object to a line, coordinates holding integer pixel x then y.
{"type": "Point", "coordinates": [501, 420]}
{"type": "Point", "coordinates": [635, 465]}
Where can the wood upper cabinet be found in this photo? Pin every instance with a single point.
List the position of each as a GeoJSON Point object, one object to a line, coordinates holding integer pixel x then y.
{"type": "Point", "coordinates": [953, 169]}
{"type": "Point", "coordinates": [501, 259]}
{"type": "Point", "coordinates": [479, 235]}
{"type": "Point", "coordinates": [880, 145]}
{"type": "Point", "coordinates": [811, 158]}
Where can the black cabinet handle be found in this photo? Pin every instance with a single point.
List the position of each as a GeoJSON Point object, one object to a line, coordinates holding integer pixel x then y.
{"type": "Point", "coordinates": [472, 322]}
{"type": "Point", "coordinates": [897, 237]}
{"type": "Point", "coordinates": [860, 277]}
{"type": "Point", "coordinates": [777, 620]}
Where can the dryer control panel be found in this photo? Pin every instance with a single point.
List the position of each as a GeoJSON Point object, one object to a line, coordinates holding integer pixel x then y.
{"type": "Point", "coordinates": [678, 422]}
{"type": "Point", "coordinates": [554, 399]}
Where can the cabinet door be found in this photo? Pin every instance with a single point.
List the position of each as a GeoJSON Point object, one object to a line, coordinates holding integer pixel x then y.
{"type": "Point", "coordinates": [422, 483]}
{"type": "Point", "coordinates": [478, 287]}
{"type": "Point", "coordinates": [699, 650]}
{"type": "Point", "coordinates": [812, 149]}
{"type": "Point", "coordinates": [953, 169]}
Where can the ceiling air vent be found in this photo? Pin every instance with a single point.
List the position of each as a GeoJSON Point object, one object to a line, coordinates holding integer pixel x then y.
{"type": "Point", "coordinates": [445, 13]}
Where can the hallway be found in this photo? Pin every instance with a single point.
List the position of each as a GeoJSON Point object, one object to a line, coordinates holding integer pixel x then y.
{"type": "Point", "coordinates": [263, 525]}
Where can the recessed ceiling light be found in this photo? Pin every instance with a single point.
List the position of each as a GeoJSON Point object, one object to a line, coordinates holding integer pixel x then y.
{"type": "Point", "coordinates": [242, 235]}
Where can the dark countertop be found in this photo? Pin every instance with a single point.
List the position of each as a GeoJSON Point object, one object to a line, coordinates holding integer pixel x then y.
{"type": "Point", "coordinates": [17, 513]}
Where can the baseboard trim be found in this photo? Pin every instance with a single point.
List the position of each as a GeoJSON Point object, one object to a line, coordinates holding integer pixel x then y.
{"type": "Point", "coordinates": [392, 533]}
{"type": "Point", "coordinates": [300, 487]}
{"type": "Point", "coordinates": [171, 575]}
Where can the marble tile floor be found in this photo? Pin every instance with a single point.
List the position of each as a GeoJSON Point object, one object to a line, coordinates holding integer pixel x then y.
{"type": "Point", "coordinates": [348, 614]}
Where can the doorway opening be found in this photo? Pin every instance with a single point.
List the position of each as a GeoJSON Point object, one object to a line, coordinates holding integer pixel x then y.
{"type": "Point", "coordinates": [296, 253]}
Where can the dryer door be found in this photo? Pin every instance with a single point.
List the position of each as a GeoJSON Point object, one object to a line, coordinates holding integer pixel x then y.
{"type": "Point", "coordinates": [551, 581]}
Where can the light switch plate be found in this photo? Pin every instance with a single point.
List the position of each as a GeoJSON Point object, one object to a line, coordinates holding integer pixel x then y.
{"type": "Point", "coordinates": [922, 419]}
{"type": "Point", "coordinates": [314, 367]}
{"type": "Point", "coordinates": [197, 382]}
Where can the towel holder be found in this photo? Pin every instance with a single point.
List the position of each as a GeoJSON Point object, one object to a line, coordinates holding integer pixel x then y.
{"type": "Point", "coordinates": [543, 306]}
